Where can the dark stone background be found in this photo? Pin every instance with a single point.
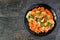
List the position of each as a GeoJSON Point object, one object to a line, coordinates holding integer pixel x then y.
{"type": "Point", "coordinates": [12, 25]}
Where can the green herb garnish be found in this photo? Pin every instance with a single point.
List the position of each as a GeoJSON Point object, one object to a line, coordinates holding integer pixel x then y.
{"type": "Point", "coordinates": [49, 24]}
{"type": "Point", "coordinates": [46, 17]}
{"type": "Point", "coordinates": [37, 32]}
{"type": "Point", "coordinates": [38, 19]}
{"type": "Point", "coordinates": [31, 16]}
{"type": "Point", "coordinates": [28, 17]}
{"type": "Point", "coordinates": [42, 24]}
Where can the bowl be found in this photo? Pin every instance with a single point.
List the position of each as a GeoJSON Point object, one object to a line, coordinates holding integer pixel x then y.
{"type": "Point", "coordinates": [36, 6]}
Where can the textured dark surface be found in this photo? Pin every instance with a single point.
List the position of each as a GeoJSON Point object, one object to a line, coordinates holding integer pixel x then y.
{"type": "Point", "coordinates": [12, 25]}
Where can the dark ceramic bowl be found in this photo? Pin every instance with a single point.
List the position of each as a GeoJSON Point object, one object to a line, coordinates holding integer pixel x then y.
{"type": "Point", "coordinates": [46, 7]}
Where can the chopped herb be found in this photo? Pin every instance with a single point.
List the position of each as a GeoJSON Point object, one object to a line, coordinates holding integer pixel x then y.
{"type": "Point", "coordinates": [31, 16]}
{"type": "Point", "coordinates": [38, 19]}
{"type": "Point", "coordinates": [46, 17]}
{"type": "Point", "coordinates": [49, 24]}
{"type": "Point", "coordinates": [42, 24]}
{"type": "Point", "coordinates": [37, 32]}
{"type": "Point", "coordinates": [28, 17]}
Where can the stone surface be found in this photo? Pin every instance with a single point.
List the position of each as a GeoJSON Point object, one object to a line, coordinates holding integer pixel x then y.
{"type": "Point", "coordinates": [12, 25]}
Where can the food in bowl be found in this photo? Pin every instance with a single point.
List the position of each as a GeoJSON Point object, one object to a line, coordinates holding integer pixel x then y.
{"type": "Point", "coordinates": [40, 20]}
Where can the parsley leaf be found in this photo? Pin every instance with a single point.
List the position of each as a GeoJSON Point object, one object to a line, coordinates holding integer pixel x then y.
{"type": "Point", "coordinates": [49, 24]}
{"type": "Point", "coordinates": [31, 16]}
{"type": "Point", "coordinates": [42, 24]}
{"type": "Point", "coordinates": [46, 17]}
{"type": "Point", "coordinates": [38, 19]}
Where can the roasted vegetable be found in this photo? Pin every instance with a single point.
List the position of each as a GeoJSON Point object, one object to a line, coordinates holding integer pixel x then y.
{"type": "Point", "coordinates": [40, 20]}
